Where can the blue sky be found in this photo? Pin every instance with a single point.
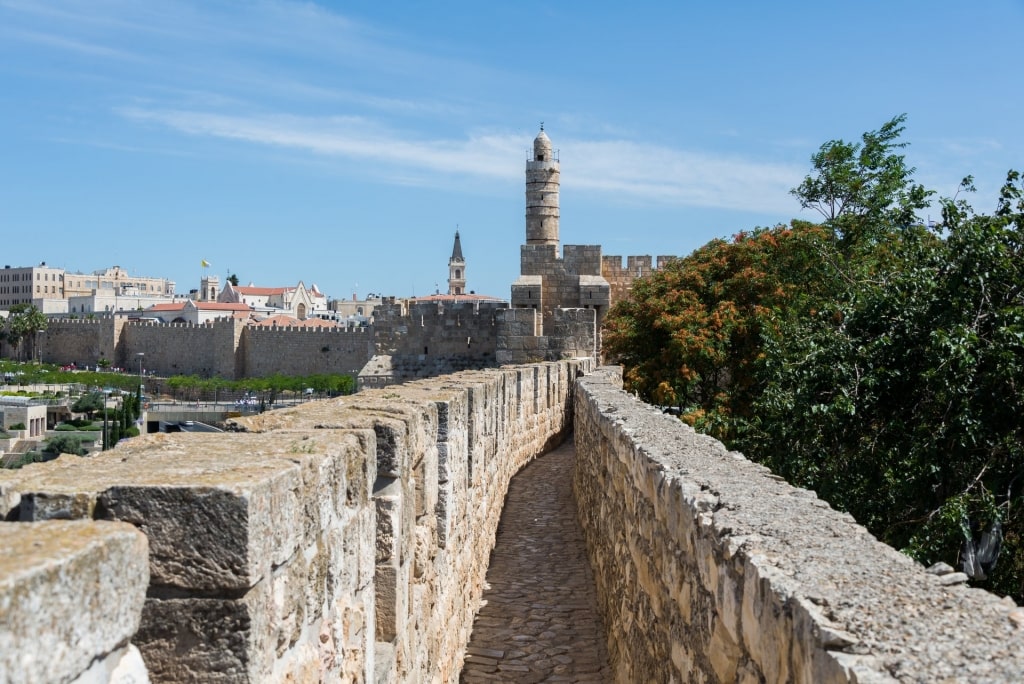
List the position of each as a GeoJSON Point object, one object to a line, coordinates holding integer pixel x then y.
{"type": "Point", "coordinates": [344, 143]}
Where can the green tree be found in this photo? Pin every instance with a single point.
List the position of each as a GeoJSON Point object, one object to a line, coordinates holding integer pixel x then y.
{"type": "Point", "coordinates": [901, 404]}
{"type": "Point", "coordinates": [89, 403]}
{"type": "Point", "coordinates": [24, 324]}
{"type": "Point", "coordinates": [233, 279]}
{"type": "Point", "coordinates": [860, 187]}
{"type": "Point", "coordinates": [65, 444]}
{"type": "Point", "coordinates": [690, 334]}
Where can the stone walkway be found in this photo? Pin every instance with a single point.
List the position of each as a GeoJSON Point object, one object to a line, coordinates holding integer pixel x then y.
{"type": "Point", "coordinates": [539, 620]}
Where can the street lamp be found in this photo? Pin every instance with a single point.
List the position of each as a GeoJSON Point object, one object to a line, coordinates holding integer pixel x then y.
{"type": "Point", "coordinates": [140, 355]}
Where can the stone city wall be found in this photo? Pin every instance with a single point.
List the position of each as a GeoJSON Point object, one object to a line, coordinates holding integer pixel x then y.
{"type": "Point", "coordinates": [438, 328]}
{"type": "Point", "coordinates": [207, 349]}
{"type": "Point", "coordinates": [432, 338]}
{"type": "Point", "coordinates": [84, 341]}
{"type": "Point", "coordinates": [709, 568]}
{"type": "Point", "coordinates": [621, 279]}
{"type": "Point", "coordinates": [573, 335]}
{"type": "Point", "coordinates": [461, 335]}
{"type": "Point", "coordinates": [342, 540]}
{"type": "Point", "coordinates": [305, 351]}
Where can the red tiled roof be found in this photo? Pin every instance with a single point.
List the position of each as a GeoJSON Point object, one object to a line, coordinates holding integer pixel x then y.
{"type": "Point", "coordinates": [263, 291]}
{"type": "Point", "coordinates": [176, 306]}
{"type": "Point", "coordinates": [220, 306]}
{"type": "Point", "coordinates": [282, 321]}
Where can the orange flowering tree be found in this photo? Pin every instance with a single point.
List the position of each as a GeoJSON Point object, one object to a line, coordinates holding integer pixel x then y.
{"type": "Point", "coordinates": [690, 336]}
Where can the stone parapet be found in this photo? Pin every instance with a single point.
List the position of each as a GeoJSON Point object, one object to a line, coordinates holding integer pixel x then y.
{"type": "Point", "coordinates": [344, 540]}
{"type": "Point", "coordinates": [709, 568]}
{"type": "Point", "coordinates": [71, 595]}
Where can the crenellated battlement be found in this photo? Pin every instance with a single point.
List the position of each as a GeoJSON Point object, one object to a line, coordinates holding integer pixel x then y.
{"type": "Point", "coordinates": [621, 277]}
{"type": "Point", "coordinates": [639, 266]}
{"type": "Point", "coordinates": [356, 331]}
{"type": "Point", "coordinates": [77, 321]}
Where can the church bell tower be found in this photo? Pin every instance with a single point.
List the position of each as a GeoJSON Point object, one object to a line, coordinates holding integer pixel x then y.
{"type": "Point", "coordinates": [457, 269]}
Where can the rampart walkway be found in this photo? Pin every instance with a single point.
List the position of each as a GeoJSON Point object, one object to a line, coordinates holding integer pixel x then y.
{"type": "Point", "coordinates": [539, 620]}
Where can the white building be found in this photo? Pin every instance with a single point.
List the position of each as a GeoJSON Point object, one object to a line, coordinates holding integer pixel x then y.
{"type": "Point", "coordinates": [298, 302]}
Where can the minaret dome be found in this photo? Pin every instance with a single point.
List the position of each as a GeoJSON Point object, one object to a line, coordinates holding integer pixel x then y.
{"type": "Point", "coordinates": [542, 147]}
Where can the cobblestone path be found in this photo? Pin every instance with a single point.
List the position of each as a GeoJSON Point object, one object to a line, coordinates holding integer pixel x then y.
{"type": "Point", "coordinates": [539, 621]}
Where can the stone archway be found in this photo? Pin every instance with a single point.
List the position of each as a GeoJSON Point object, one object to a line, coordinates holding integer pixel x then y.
{"type": "Point", "coordinates": [300, 312]}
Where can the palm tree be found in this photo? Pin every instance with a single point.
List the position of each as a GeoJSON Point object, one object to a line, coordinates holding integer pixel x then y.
{"type": "Point", "coordinates": [25, 322]}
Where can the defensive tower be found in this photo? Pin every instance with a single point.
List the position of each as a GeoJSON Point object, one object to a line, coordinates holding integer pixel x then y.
{"type": "Point", "coordinates": [542, 181]}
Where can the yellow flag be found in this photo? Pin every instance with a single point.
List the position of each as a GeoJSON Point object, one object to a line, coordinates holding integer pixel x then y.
{"type": "Point", "coordinates": [205, 263]}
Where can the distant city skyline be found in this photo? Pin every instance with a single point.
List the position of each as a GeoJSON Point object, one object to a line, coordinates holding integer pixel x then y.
{"type": "Point", "coordinates": [344, 144]}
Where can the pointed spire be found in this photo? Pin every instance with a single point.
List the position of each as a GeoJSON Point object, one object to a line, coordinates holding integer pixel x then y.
{"type": "Point", "coordinates": [457, 249]}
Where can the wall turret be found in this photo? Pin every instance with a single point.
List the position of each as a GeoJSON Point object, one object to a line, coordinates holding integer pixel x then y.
{"type": "Point", "coordinates": [542, 182]}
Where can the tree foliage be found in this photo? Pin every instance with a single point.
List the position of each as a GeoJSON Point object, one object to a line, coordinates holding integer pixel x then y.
{"type": "Point", "coordinates": [89, 403]}
{"type": "Point", "coordinates": [860, 187]}
{"type": "Point", "coordinates": [690, 335]}
{"type": "Point", "coordinates": [65, 444]}
{"type": "Point", "coordinates": [873, 359]}
{"type": "Point", "coordinates": [24, 324]}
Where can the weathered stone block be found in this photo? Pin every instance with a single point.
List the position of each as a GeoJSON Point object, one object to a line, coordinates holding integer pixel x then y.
{"type": "Point", "coordinates": [212, 537]}
{"type": "Point", "coordinates": [71, 592]}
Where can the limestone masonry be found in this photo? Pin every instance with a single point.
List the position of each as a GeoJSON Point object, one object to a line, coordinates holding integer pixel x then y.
{"type": "Point", "coordinates": [342, 541]}
{"type": "Point", "coordinates": [711, 569]}
{"type": "Point", "coordinates": [348, 540]}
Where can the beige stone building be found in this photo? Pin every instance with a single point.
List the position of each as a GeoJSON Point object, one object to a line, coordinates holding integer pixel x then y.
{"type": "Point", "coordinates": [56, 291]}
{"type": "Point", "coordinates": [116, 281]}
{"type": "Point", "coordinates": [354, 309]}
{"type": "Point", "coordinates": [31, 284]}
{"type": "Point", "coordinates": [23, 411]}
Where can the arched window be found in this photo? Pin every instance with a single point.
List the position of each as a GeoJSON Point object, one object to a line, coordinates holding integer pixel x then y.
{"type": "Point", "coordinates": [301, 312]}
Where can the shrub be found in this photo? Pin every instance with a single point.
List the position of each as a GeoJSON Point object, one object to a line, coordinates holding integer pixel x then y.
{"type": "Point", "coordinates": [65, 444]}
{"type": "Point", "coordinates": [25, 459]}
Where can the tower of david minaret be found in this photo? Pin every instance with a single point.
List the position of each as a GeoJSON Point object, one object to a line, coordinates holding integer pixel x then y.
{"type": "Point", "coordinates": [566, 290]}
{"type": "Point", "coordinates": [542, 180]}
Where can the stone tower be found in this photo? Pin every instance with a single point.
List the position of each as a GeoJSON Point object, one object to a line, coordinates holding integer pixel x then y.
{"type": "Point", "coordinates": [208, 288]}
{"type": "Point", "coordinates": [542, 181]}
{"type": "Point", "coordinates": [567, 294]}
{"type": "Point", "coordinates": [457, 269]}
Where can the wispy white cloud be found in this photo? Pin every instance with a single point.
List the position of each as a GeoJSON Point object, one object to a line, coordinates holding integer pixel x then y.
{"type": "Point", "coordinates": [634, 172]}
{"type": "Point", "coordinates": [682, 177]}
{"type": "Point", "coordinates": [313, 61]}
{"type": "Point", "coordinates": [68, 44]}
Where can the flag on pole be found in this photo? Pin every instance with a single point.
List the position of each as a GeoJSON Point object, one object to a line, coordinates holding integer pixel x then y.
{"type": "Point", "coordinates": [205, 263]}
